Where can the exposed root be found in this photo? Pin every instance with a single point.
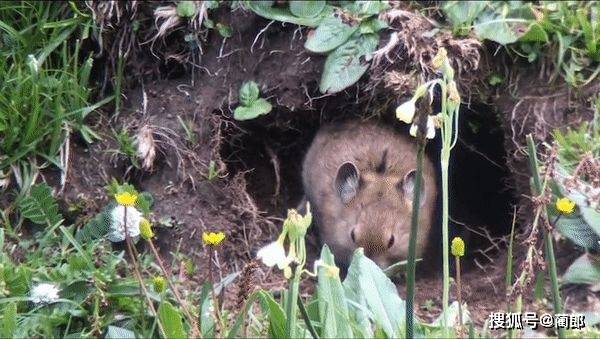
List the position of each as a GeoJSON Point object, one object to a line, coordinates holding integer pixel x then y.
{"type": "Point", "coordinates": [276, 170]}
{"type": "Point", "coordinates": [413, 43]}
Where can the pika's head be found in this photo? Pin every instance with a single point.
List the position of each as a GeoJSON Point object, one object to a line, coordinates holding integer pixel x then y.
{"type": "Point", "coordinates": [377, 209]}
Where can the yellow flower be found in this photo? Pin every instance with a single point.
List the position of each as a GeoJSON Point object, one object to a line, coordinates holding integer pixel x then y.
{"type": "Point", "coordinates": [212, 238]}
{"type": "Point", "coordinates": [126, 199]}
{"type": "Point", "coordinates": [565, 206]}
{"type": "Point", "coordinates": [458, 247]}
{"type": "Point", "coordinates": [159, 284]}
{"type": "Point", "coordinates": [146, 229]}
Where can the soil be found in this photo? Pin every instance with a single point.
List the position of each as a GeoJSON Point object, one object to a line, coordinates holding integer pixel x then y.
{"type": "Point", "coordinates": [259, 163]}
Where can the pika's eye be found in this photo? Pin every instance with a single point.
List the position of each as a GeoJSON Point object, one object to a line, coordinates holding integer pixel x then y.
{"type": "Point", "coordinates": [391, 241]}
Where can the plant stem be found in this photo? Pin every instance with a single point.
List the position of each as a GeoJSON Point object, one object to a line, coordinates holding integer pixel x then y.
{"type": "Point", "coordinates": [445, 250]}
{"type": "Point", "coordinates": [306, 318]}
{"type": "Point", "coordinates": [459, 291]}
{"type": "Point", "coordinates": [412, 244]}
{"type": "Point", "coordinates": [292, 295]}
{"type": "Point", "coordinates": [212, 286]}
{"type": "Point", "coordinates": [538, 189]}
{"type": "Point", "coordinates": [447, 134]}
{"type": "Point", "coordinates": [136, 271]}
{"type": "Point", "coordinates": [193, 324]}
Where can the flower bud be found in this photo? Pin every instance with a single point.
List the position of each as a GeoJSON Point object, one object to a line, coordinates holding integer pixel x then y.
{"type": "Point", "coordinates": [297, 224]}
{"type": "Point", "coordinates": [439, 59]}
{"type": "Point", "coordinates": [457, 247]}
{"type": "Point", "coordinates": [159, 284]}
{"type": "Point", "coordinates": [146, 229]}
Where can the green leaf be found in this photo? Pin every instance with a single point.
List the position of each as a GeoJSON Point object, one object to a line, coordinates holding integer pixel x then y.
{"type": "Point", "coordinates": [347, 63]}
{"type": "Point", "coordinates": [9, 321]}
{"type": "Point", "coordinates": [249, 93]}
{"type": "Point", "coordinates": [171, 320]}
{"type": "Point", "coordinates": [186, 9]}
{"type": "Point", "coordinates": [462, 12]}
{"type": "Point", "coordinates": [333, 310]}
{"type": "Point", "coordinates": [372, 26]}
{"type": "Point", "coordinates": [284, 14]}
{"type": "Point", "coordinates": [591, 217]}
{"type": "Point", "coordinates": [40, 206]}
{"type": "Point", "coordinates": [504, 25]}
{"type": "Point", "coordinates": [277, 318]}
{"type": "Point", "coordinates": [98, 227]}
{"type": "Point", "coordinates": [258, 108]}
{"type": "Point", "coordinates": [306, 8]}
{"type": "Point", "coordinates": [584, 270]}
{"type": "Point", "coordinates": [331, 33]}
{"type": "Point", "coordinates": [17, 279]}
{"type": "Point", "coordinates": [207, 320]}
{"type": "Point", "coordinates": [115, 332]}
{"type": "Point", "coordinates": [535, 33]}
{"type": "Point", "coordinates": [367, 286]}
{"type": "Point", "coordinates": [144, 202]}
{"type": "Point", "coordinates": [224, 30]}
{"type": "Point", "coordinates": [577, 230]}
{"type": "Point", "coordinates": [366, 8]}
{"type": "Point", "coordinates": [208, 23]}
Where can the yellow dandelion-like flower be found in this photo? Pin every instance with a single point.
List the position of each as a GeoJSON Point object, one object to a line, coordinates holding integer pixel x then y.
{"type": "Point", "coordinates": [457, 247]}
{"type": "Point", "coordinates": [126, 199]}
{"type": "Point", "coordinates": [565, 205]}
{"type": "Point", "coordinates": [159, 284]}
{"type": "Point", "coordinates": [146, 229]}
{"type": "Point", "coordinates": [212, 238]}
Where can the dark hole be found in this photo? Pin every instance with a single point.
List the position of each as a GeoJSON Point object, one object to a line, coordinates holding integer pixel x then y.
{"type": "Point", "coordinates": [480, 200]}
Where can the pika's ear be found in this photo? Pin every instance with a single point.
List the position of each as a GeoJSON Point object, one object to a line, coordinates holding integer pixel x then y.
{"type": "Point", "coordinates": [346, 182]}
{"type": "Point", "coordinates": [408, 187]}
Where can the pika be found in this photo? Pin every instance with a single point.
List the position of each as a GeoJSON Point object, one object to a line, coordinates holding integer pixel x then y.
{"type": "Point", "coordinates": [359, 179]}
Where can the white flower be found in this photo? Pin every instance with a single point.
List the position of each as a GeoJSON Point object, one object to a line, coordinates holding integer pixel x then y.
{"type": "Point", "coordinates": [44, 293]}
{"type": "Point", "coordinates": [406, 111]}
{"type": "Point", "coordinates": [117, 229]}
{"type": "Point", "coordinates": [430, 128]}
{"type": "Point", "coordinates": [274, 254]}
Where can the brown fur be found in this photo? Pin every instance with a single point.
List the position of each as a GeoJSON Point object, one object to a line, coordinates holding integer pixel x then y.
{"type": "Point", "coordinates": [382, 205]}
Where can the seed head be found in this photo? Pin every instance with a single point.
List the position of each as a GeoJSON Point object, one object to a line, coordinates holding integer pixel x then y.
{"type": "Point", "coordinates": [457, 247]}
{"type": "Point", "coordinates": [159, 284]}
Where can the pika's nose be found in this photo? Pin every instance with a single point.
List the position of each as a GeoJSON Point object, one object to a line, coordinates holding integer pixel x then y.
{"type": "Point", "coordinates": [353, 236]}
{"type": "Point", "coordinates": [390, 242]}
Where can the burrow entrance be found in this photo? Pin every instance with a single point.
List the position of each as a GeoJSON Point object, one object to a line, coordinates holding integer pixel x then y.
{"type": "Point", "coordinates": [270, 151]}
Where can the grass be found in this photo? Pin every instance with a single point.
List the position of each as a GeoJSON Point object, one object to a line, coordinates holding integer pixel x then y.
{"type": "Point", "coordinates": [45, 81]}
